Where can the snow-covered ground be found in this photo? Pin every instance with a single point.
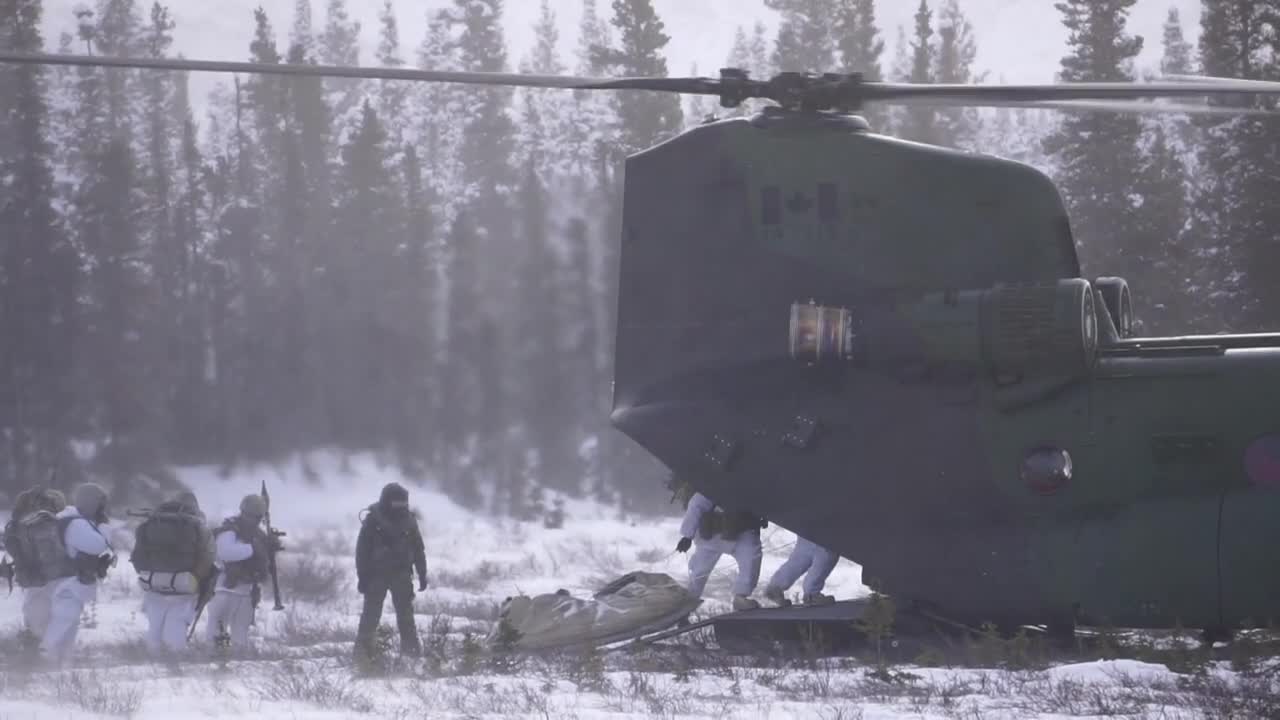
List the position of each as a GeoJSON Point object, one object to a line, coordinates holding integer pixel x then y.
{"type": "Point", "coordinates": [303, 669]}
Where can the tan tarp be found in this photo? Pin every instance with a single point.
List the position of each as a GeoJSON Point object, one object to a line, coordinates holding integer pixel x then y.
{"type": "Point", "coordinates": [635, 604]}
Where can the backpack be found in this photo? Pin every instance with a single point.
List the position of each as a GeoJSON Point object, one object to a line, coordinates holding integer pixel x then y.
{"type": "Point", "coordinates": [391, 543]}
{"type": "Point", "coordinates": [168, 541]}
{"type": "Point", "coordinates": [37, 544]}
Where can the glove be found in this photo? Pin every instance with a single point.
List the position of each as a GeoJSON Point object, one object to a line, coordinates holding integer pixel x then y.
{"type": "Point", "coordinates": [422, 584]}
{"type": "Point", "coordinates": [276, 545]}
{"type": "Point", "coordinates": [684, 544]}
{"type": "Point", "coordinates": [361, 587]}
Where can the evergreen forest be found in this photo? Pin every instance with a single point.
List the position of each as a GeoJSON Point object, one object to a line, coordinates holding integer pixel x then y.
{"type": "Point", "coordinates": [429, 271]}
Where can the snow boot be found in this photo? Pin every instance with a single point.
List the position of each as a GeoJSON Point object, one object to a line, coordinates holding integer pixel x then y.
{"type": "Point", "coordinates": [818, 599]}
{"type": "Point", "coordinates": [774, 595]}
{"type": "Point", "coordinates": [742, 602]}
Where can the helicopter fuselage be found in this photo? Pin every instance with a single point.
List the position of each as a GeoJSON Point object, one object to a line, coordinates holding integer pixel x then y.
{"type": "Point", "coordinates": [978, 442]}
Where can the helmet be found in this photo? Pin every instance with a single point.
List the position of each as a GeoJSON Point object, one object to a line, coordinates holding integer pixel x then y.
{"type": "Point", "coordinates": [90, 499]}
{"type": "Point", "coordinates": [394, 497]}
{"type": "Point", "coordinates": [55, 499]}
{"type": "Point", "coordinates": [188, 500]}
{"type": "Point", "coordinates": [253, 506]}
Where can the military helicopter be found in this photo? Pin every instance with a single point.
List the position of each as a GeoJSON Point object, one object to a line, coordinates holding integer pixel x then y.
{"type": "Point", "coordinates": [889, 348]}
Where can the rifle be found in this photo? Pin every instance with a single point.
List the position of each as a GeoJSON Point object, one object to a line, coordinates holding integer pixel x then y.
{"type": "Point", "coordinates": [271, 551]}
{"type": "Point", "coordinates": [206, 594]}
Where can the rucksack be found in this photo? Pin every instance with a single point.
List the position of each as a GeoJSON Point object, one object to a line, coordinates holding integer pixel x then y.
{"type": "Point", "coordinates": [392, 542]}
{"type": "Point", "coordinates": [168, 541]}
{"type": "Point", "coordinates": [37, 544]}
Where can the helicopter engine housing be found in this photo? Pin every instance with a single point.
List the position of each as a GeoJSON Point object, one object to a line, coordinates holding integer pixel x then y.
{"type": "Point", "coordinates": [1034, 329]}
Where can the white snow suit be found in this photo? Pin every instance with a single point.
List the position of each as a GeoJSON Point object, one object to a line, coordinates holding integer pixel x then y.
{"type": "Point", "coordinates": [36, 602]}
{"type": "Point", "coordinates": [230, 606]}
{"type": "Point", "coordinates": [745, 549]}
{"type": "Point", "coordinates": [168, 617]}
{"type": "Point", "coordinates": [69, 595]}
{"type": "Point", "coordinates": [806, 556]}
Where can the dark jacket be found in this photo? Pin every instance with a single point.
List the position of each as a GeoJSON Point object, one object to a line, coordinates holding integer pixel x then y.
{"type": "Point", "coordinates": [389, 546]}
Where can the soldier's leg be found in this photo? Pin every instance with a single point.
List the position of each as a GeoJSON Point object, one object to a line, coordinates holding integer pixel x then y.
{"type": "Point", "coordinates": [801, 559]}
{"type": "Point", "coordinates": [240, 616]}
{"type": "Point", "coordinates": [402, 598]}
{"type": "Point", "coordinates": [824, 561]}
{"type": "Point", "coordinates": [180, 612]}
{"type": "Point", "coordinates": [370, 614]}
{"type": "Point", "coordinates": [703, 560]}
{"type": "Point", "coordinates": [153, 607]}
{"type": "Point", "coordinates": [64, 624]}
{"type": "Point", "coordinates": [748, 553]}
{"type": "Point", "coordinates": [217, 615]}
{"type": "Point", "coordinates": [36, 605]}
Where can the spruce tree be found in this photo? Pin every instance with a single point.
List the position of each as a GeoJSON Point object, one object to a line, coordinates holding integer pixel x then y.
{"type": "Point", "coordinates": [435, 115]}
{"type": "Point", "coordinates": [119, 34]}
{"type": "Point", "coordinates": [392, 94]}
{"type": "Point", "coordinates": [1159, 245]}
{"type": "Point", "coordinates": [340, 45]}
{"type": "Point", "coordinates": [39, 274]}
{"type": "Point", "coordinates": [920, 123]}
{"type": "Point", "coordinates": [367, 336]}
{"type": "Point", "coordinates": [592, 120]}
{"type": "Point", "coordinates": [544, 403]}
{"type": "Point", "coordinates": [860, 48]}
{"type": "Point", "coordinates": [189, 402]}
{"type": "Point", "coordinates": [646, 118]}
{"type": "Point", "coordinates": [805, 42]}
{"type": "Point", "coordinates": [1235, 213]}
{"type": "Point", "coordinates": [546, 127]}
{"type": "Point", "coordinates": [486, 151]}
{"type": "Point", "coordinates": [956, 50]}
{"type": "Point", "coordinates": [1099, 154]}
{"type": "Point", "coordinates": [301, 35]}
{"type": "Point", "coordinates": [417, 295]}
{"type": "Point", "coordinates": [165, 252]}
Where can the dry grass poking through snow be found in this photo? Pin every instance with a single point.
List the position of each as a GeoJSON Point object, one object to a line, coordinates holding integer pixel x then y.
{"type": "Point", "coordinates": [304, 665]}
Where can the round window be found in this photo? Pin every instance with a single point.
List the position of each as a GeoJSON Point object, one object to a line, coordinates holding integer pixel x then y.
{"type": "Point", "coordinates": [1262, 461]}
{"type": "Point", "coordinates": [1046, 469]}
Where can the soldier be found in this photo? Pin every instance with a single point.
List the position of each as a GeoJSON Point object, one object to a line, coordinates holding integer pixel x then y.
{"type": "Point", "coordinates": [32, 507]}
{"type": "Point", "coordinates": [388, 549]}
{"type": "Point", "coordinates": [719, 532]}
{"type": "Point", "coordinates": [174, 557]}
{"type": "Point", "coordinates": [241, 549]}
{"type": "Point", "coordinates": [89, 556]}
{"type": "Point", "coordinates": [806, 556]}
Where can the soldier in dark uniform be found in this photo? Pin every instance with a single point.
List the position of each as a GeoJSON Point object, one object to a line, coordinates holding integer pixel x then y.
{"type": "Point", "coordinates": [387, 551]}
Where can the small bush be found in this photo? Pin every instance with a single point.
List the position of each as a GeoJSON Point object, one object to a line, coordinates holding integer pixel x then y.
{"type": "Point", "coordinates": [291, 682]}
{"type": "Point", "coordinates": [92, 692]}
{"type": "Point", "coordinates": [312, 579]}
{"type": "Point", "coordinates": [304, 629]}
{"type": "Point", "coordinates": [475, 579]}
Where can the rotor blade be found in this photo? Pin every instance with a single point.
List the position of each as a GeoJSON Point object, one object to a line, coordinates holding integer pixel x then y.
{"type": "Point", "coordinates": [1122, 106]}
{"type": "Point", "coordinates": [682, 85]}
{"type": "Point", "coordinates": [980, 94]}
{"type": "Point", "coordinates": [1240, 82]}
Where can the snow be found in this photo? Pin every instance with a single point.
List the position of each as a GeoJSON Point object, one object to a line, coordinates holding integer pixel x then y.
{"type": "Point", "coordinates": [303, 669]}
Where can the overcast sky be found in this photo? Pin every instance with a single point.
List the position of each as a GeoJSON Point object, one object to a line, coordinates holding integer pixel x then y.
{"type": "Point", "coordinates": [1019, 40]}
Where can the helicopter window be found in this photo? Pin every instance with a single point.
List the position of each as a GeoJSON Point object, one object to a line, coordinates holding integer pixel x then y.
{"type": "Point", "coordinates": [771, 205]}
{"type": "Point", "coordinates": [1046, 469]}
{"type": "Point", "coordinates": [1262, 461]}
